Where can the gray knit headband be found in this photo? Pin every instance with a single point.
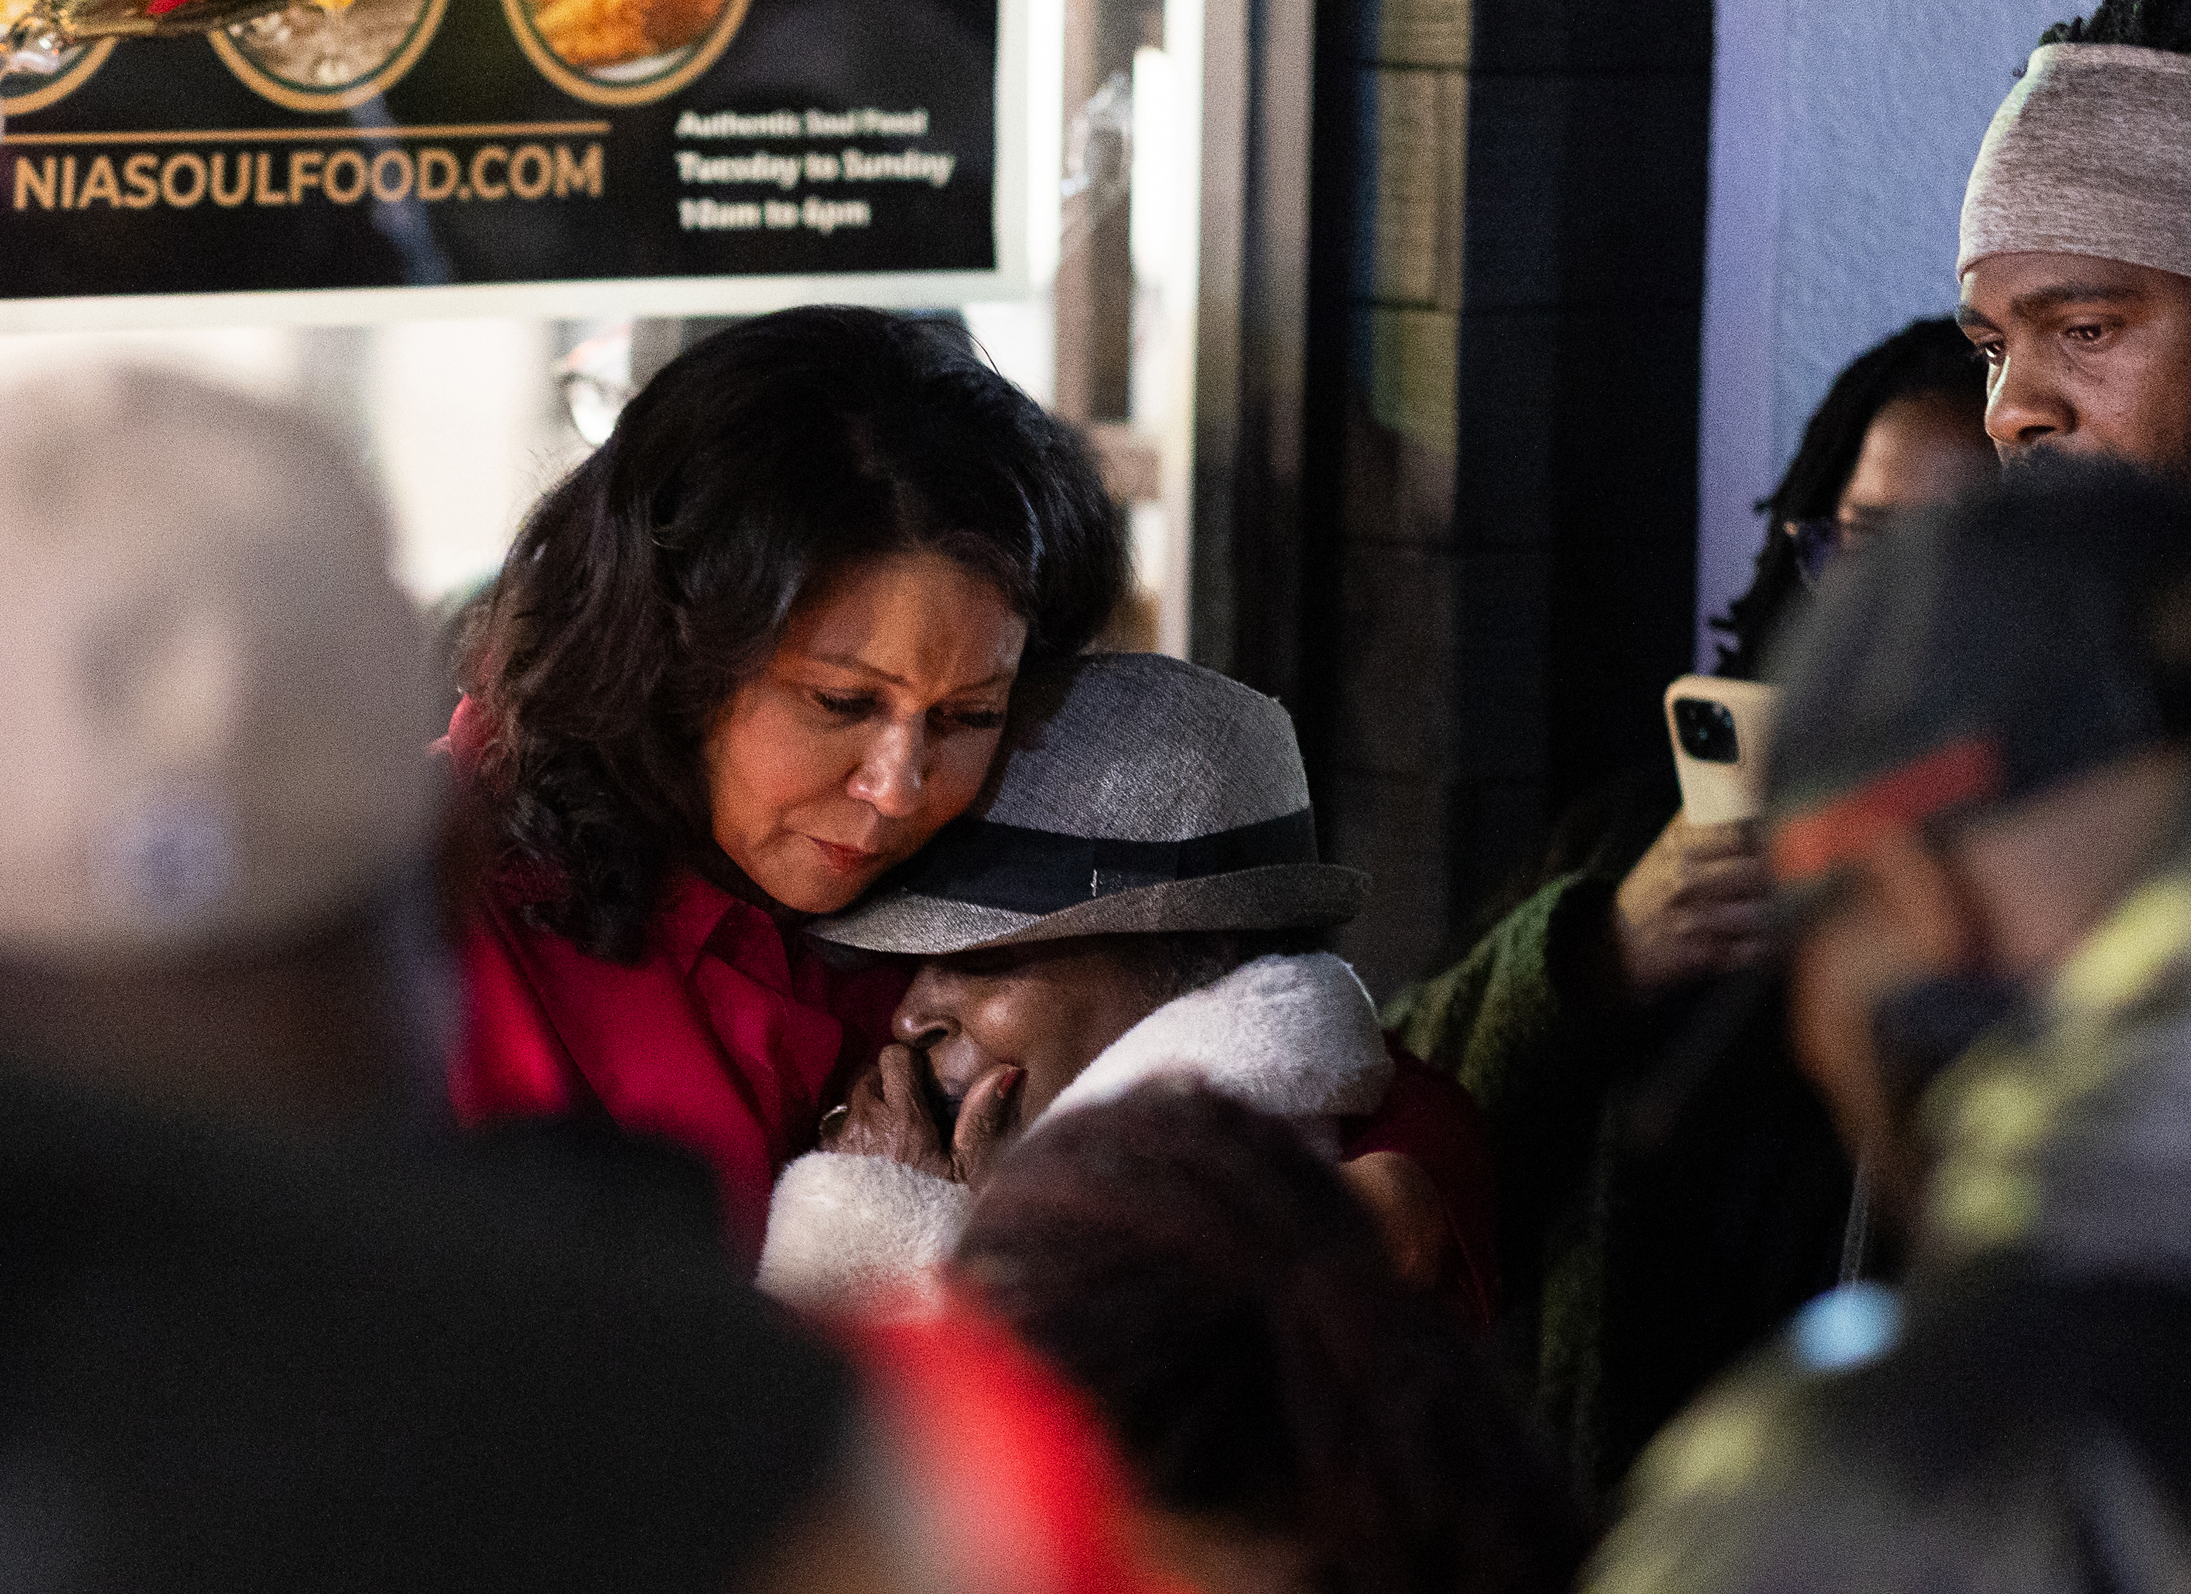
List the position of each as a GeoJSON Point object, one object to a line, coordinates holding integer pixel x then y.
{"type": "Point", "coordinates": [2090, 154]}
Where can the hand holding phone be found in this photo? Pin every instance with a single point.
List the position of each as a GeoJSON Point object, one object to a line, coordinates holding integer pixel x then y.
{"type": "Point", "coordinates": [1722, 734]}
{"type": "Point", "coordinates": [1695, 904]}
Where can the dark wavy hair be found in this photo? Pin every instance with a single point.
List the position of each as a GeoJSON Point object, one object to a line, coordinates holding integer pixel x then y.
{"type": "Point", "coordinates": [1205, 1277]}
{"type": "Point", "coordinates": [1929, 357]}
{"type": "Point", "coordinates": [2152, 24]}
{"type": "Point", "coordinates": [659, 575]}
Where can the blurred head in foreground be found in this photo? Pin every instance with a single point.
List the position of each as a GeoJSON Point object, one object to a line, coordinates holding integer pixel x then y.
{"type": "Point", "coordinates": [1979, 826]}
{"type": "Point", "coordinates": [1981, 752]}
{"type": "Point", "coordinates": [1297, 1419]}
{"type": "Point", "coordinates": [210, 747]}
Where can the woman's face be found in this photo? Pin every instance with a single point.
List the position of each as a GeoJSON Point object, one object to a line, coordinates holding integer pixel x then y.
{"type": "Point", "coordinates": [869, 729]}
{"type": "Point", "coordinates": [1918, 451]}
{"type": "Point", "coordinates": [1050, 1008]}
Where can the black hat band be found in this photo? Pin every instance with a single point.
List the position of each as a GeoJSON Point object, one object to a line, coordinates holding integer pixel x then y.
{"type": "Point", "coordinates": [1040, 871]}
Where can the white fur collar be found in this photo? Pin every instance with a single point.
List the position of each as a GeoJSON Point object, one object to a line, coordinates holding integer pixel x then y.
{"type": "Point", "coordinates": [1293, 1036]}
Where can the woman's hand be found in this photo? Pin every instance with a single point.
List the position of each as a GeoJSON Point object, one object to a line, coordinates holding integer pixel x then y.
{"type": "Point", "coordinates": [1693, 906]}
{"type": "Point", "coordinates": [888, 1116]}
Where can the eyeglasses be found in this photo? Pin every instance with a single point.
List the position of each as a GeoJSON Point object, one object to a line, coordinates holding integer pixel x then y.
{"type": "Point", "coordinates": [1822, 540]}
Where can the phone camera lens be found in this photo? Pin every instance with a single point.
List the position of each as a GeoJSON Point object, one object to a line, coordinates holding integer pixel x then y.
{"type": "Point", "coordinates": [1706, 729]}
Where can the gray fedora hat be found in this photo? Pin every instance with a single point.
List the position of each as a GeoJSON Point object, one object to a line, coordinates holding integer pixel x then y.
{"type": "Point", "coordinates": [1132, 794]}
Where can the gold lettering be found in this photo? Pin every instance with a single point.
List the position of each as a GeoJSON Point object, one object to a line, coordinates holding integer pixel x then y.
{"type": "Point", "coordinates": [437, 175]}
{"type": "Point", "coordinates": [99, 183]}
{"type": "Point", "coordinates": [482, 185]}
{"type": "Point", "coordinates": [347, 175]}
{"type": "Point", "coordinates": [389, 189]}
{"type": "Point", "coordinates": [344, 190]}
{"type": "Point", "coordinates": [34, 182]}
{"type": "Point", "coordinates": [189, 166]}
{"type": "Point", "coordinates": [224, 196]}
{"type": "Point", "coordinates": [531, 172]}
{"type": "Point", "coordinates": [304, 172]}
{"type": "Point", "coordinates": [144, 187]}
{"type": "Point", "coordinates": [575, 176]}
{"type": "Point", "coordinates": [262, 191]}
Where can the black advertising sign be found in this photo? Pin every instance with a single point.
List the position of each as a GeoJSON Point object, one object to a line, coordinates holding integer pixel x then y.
{"type": "Point", "coordinates": [556, 156]}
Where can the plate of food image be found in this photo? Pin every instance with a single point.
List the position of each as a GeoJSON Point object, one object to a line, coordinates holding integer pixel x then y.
{"type": "Point", "coordinates": [623, 52]}
{"type": "Point", "coordinates": [56, 74]}
{"type": "Point", "coordinates": [327, 55]}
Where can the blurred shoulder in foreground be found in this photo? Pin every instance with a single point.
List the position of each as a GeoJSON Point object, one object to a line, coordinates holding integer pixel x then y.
{"type": "Point", "coordinates": [240, 1364]}
{"type": "Point", "coordinates": [2018, 1432]}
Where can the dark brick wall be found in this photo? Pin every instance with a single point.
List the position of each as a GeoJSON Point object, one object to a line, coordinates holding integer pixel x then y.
{"type": "Point", "coordinates": [1499, 479]}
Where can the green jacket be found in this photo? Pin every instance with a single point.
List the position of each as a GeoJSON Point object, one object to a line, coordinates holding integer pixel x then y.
{"type": "Point", "coordinates": [1632, 1273]}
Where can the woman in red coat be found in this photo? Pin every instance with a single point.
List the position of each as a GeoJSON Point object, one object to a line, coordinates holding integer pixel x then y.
{"type": "Point", "coordinates": [750, 656]}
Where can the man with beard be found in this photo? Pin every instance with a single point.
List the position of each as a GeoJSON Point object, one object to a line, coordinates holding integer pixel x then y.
{"type": "Point", "coordinates": [1982, 799]}
{"type": "Point", "coordinates": [2076, 243]}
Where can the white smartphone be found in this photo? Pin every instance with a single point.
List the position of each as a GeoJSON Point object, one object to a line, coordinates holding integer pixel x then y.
{"type": "Point", "coordinates": [1722, 734]}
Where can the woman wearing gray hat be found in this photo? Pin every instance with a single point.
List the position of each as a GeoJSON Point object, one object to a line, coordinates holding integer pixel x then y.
{"type": "Point", "coordinates": [1135, 896]}
{"type": "Point", "coordinates": [751, 655]}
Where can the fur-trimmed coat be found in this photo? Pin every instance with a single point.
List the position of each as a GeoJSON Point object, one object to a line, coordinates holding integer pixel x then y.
{"type": "Point", "coordinates": [1295, 1036]}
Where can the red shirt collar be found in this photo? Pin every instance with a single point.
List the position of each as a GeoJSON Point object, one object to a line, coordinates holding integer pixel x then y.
{"type": "Point", "coordinates": [696, 913]}
{"type": "Point", "coordinates": [699, 916]}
